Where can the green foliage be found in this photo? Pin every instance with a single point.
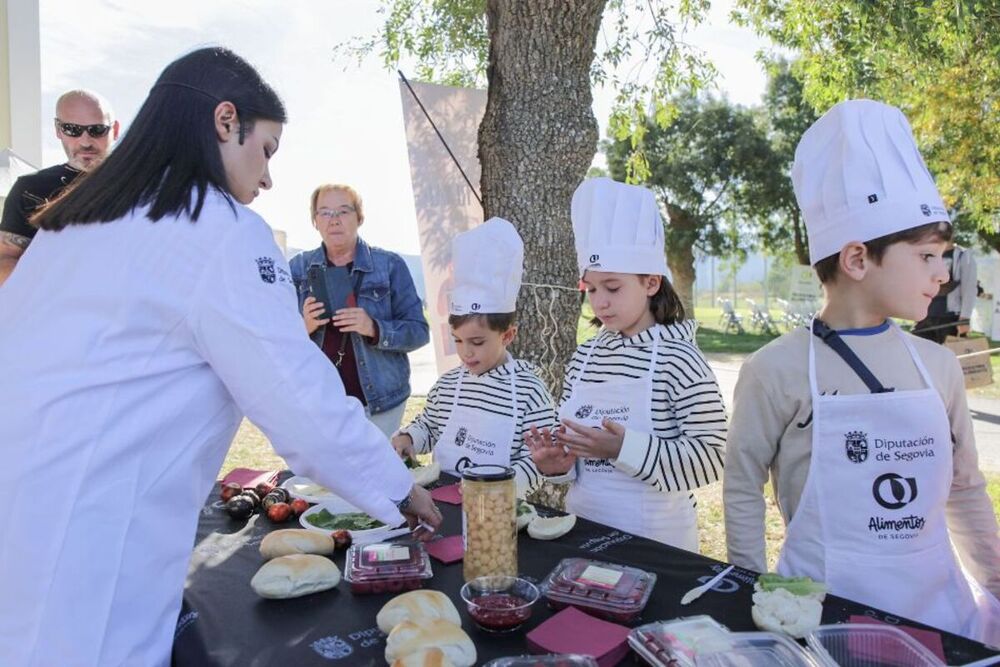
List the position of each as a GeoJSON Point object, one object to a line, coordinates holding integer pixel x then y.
{"type": "Point", "coordinates": [639, 54]}
{"type": "Point", "coordinates": [938, 60]}
{"type": "Point", "coordinates": [704, 167]}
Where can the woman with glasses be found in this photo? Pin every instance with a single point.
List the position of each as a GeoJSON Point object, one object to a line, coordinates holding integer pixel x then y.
{"type": "Point", "coordinates": [375, 316]}
{"type": "Point", "coordinates": [154, 311]}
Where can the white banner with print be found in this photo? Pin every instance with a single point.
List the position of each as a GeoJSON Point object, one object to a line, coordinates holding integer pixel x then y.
{"type": "Point", "coordinates": [445, 205]}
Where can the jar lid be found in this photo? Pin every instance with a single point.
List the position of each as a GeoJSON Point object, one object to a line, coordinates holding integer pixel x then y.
{"type": "Point", "coordinates": [488, 473]}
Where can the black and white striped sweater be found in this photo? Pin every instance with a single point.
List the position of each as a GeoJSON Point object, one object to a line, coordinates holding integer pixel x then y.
{"type": "Point", "coordinates": [687, 447]}
{"type": "Point", "coordinates": [490, 393]}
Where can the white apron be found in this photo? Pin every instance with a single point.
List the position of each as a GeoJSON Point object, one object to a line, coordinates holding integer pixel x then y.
{"type": "Point", "coordinates": [475, 437]}
{"type": "Point", "coordinates": [873, 508]}
{"type": "Point", "coordinates": [604, 494]}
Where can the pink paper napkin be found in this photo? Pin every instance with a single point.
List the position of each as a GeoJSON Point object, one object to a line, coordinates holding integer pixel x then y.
{"type": "Point", "coordinates": [248, 478]}
{"type": "Point", "coordinates": [446, 549]}
{"type": "Point", "coordinates": [572, 631]}
{"type": "Point", "coordinates": [451, 494]}
{"type": "Point", "coordinates": [930, 640]}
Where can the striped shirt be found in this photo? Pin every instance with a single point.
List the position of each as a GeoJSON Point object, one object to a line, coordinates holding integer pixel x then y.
{"type": "Point", "coordinates": [490, 393]}
{"type": "Point", "coordinates": [687, 447]}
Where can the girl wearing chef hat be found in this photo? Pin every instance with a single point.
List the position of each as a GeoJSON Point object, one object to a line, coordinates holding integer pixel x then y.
{"type": "Point", "coordinates": [642, 420]}
{"type": "Point", "coordinates": [480, 412]}
{"type": "Point", "coordinates": [864, 429]}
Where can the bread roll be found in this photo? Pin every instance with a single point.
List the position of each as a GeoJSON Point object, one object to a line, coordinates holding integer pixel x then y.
{"type": "Point", "coordinates": [417, 606]}
{"type": "Point", "coordinates": [296, 541]}
{"type": "Point", "coordinates": [294, 576]}
{"type": "Point", "coordinates": [432, 657]}
{"type": "Point", "coordinates": [550, 528]}
{"type": "Point", "coordinates": [409, 637]}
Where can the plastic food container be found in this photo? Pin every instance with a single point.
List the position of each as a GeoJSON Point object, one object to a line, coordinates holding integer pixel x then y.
{"type": "Point", "coordinates": [863, 645]}
{"type": "Point", "coordinates": [544, 661]}
{"type": "Point", "coordinates": [677, 643]}
{"type": "Point", "coordinates": [489, 521]}
{"type": "Point", "coordinates": [613, 592]}
{"type": "Point", "coordinates": [386, 568]}
{"type": "Point", "coordinates": [757, 649]}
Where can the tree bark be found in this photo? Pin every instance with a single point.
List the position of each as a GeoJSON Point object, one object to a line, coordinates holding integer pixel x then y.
{"type": "Point", "coordinates": [536, 141]}
{"type": "Point", "coordinates": [801, 251]}
{"type": "Point", "coordinates": [681, 234]}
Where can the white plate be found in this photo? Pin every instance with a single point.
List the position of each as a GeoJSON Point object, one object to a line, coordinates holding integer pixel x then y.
{"type": "Point", "coordinates": [341, 506]}
{"type": "Point", "coordinates": [305, 488]}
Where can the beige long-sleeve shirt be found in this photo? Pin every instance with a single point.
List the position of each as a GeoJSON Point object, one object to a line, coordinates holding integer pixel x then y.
{"type": "Point", "coordinates": [771, 434]}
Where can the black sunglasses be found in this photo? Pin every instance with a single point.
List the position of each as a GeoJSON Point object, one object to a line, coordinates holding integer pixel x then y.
{"type": "Point", "coordinates": [73, 130]}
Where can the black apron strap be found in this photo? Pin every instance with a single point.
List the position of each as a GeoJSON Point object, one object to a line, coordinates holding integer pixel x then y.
{"type": "Point", "coordinates": [837, 344]}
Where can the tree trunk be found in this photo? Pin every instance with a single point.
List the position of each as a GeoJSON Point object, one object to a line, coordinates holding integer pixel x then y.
{"type": "Point", "coordinates": [801, 251]}
{"type": "Point", "coordinates": [536, 141]}
{"type": "Point", "coordinates": [681, 234]}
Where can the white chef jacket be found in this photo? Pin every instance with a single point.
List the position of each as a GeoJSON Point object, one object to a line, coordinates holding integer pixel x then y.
{"type": "Point", "coordinates": [129, 352]}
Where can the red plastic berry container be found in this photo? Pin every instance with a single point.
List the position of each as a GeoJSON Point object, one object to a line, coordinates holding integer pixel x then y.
{"type": "Point", "coordinates": [616, 593]}
{"type": "Point", "coordinates": [386, 568]}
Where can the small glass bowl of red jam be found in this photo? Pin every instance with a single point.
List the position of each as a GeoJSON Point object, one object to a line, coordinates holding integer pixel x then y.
{"type": "Point", "coordinates": [499, 603]}
{"type": "Point", "coordinates": [617, 593]}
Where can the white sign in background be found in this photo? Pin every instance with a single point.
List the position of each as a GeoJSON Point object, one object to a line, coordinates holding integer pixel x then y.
{"type": "Point", "coordinates": [445, 205]}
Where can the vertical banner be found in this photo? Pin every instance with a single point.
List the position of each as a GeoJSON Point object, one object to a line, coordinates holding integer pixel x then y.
{"type": "Point", "coordinates": [444, 203]}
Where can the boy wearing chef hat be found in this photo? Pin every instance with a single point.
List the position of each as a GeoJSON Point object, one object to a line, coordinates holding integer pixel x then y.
{"type": "Point", "coordinates": [642, 420]}
{"type": "Point", "coordinates": [479, 412]}
{"type": "Point", "coordinates": [863, 428]}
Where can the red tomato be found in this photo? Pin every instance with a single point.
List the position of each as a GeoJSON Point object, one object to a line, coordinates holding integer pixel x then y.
{"type": "Point", "coordinates": [280, 512]}
{"type": "Point", "coordinates": [299, 506]}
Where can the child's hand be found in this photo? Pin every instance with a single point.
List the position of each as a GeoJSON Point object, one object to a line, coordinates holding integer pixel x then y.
{"type": "Point", "coordinates": [403, 444]}
{"type": "Point", "coordinates": [592, 443]}
{"type": "Point", "coordinates": [549, 457]}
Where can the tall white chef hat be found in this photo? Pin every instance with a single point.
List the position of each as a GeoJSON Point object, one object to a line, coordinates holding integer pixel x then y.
{"type": "Point", "coordinates": [858, 176]}
{"type": "Point", "coordinates": [487, 263]}
{"type": "Point", "coordinates": [617, 228]}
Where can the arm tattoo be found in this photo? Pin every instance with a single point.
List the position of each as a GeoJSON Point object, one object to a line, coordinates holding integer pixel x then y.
{"type": "Point", "coordinates": [15, 240]}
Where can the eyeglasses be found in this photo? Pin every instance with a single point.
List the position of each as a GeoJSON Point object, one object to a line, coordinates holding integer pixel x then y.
{"type": "Point", "coordinates": [73, 130]}
{"type": "Point", "coordinates": [331, 214]}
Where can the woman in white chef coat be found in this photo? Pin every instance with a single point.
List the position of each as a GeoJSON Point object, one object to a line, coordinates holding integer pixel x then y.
{"type": "Point", "coordinates": [151, 313]}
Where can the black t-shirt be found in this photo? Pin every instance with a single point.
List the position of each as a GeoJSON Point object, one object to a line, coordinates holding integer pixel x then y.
{"type": "Point", "coordinates": [31, 192]}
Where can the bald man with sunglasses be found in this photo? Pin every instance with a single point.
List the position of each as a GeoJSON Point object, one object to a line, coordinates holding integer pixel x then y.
{"type": "Point", "coordinates": [86, 127]}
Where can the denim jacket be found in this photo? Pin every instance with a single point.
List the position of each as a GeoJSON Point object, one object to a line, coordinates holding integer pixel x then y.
{"type": "Point", "coordinates": [387, 294]}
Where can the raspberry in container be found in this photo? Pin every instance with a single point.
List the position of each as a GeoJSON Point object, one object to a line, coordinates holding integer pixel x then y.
{"type": "Point", "coordinates": [386, 568]}
{"type": "Point", "coordinates": [565, 660]}
{"type": "Point", "coordinates": [678, 643]}
{"type": "Point", "coordinates": [613, 592]}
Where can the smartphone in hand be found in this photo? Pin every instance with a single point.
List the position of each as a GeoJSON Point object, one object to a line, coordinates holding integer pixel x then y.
{"type": "Point", "coordinates": [331, 285]}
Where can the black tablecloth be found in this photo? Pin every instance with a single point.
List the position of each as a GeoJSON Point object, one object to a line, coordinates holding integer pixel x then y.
{"type": "Point", "coordinates": [223, 622]}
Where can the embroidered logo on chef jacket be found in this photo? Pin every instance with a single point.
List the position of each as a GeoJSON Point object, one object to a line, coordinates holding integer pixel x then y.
{"type": "Point", "coordinates": [893, 491]}
{"type": "Point", "coordinates": [460, 436]}
{"type": "Point", "coordinates": [265, 265]}
{"type": "Point", "coordinates": [474, 307]}
{"type": "Point", "coordinates": [872, 199]}
{"type": "Point", "coordinates": [925, 209]}
{"type": "Point", "coordinates": [332, 648]}
{"type": "Point", "coordinates": [584, 411]}
{"type": "Point", "coordinates": [856, 443]}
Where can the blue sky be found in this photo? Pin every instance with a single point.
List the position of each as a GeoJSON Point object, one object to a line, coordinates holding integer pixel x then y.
{"type": "Point", "coordinates": [345, 125]}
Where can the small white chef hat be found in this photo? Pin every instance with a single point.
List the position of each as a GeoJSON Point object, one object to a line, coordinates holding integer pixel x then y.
{"type": "Point", "coordinates": [487, 263]}
{"type": "Point", "coordinates": [617, 228]}
{"type": "Point", "coordinates": [858, 176]}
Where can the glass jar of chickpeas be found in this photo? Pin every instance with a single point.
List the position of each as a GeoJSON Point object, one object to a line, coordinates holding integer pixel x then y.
{"type": "Point", "coordinates": [489, 521]}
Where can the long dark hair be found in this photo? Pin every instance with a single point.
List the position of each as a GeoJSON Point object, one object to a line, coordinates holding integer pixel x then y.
{"type": "Point", "coordinates": [171, 148]}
